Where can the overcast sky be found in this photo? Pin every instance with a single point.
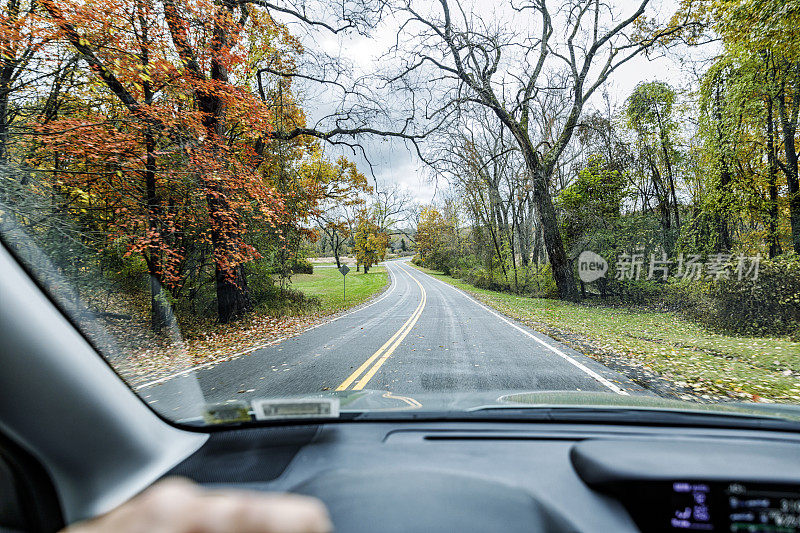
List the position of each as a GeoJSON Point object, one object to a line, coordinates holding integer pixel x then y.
{"type": "Point", "coordinates": [393, 162]}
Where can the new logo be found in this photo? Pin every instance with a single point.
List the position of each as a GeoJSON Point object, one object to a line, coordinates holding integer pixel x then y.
{"type": "Point", "coordinates": [591, 267]}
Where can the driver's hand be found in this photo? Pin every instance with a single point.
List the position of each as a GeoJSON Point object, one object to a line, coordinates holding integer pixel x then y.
{"type": "Point", "coordinates": [179, 506]}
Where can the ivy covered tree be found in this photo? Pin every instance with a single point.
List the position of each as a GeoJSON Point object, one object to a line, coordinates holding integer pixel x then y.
{"type": "Point", "coordinates": [591, 210]}
{"type": "Point", "coordinates": [650, 114]}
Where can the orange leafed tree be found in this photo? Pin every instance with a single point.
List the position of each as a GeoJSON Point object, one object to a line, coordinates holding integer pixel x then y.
{"type": "Point", "coordinates": [168, 137]}
{"type": "Point", "coordinates": [23, 35]}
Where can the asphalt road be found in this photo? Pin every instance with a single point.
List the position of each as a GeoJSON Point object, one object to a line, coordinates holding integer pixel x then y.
{"type": "Point", "coordinates": [420, 336]}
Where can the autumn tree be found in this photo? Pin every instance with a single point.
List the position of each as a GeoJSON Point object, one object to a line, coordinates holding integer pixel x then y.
{"type": "Point", "coordinates": [370, 242]}
{"type": "Point", "coordinates": [22, 39]}
{"type": "Point", "coordinates": [757, 79]}
{"type": "Point", "coordinates": [434, 240]}
{"type": "Point", "coordinates": [340, 188]}
{"type": "Point", "coordinates": [769, 30]}
{"type": "Point", "coordinates": [741, 152]}
{"type": "Point", "coordinates": [176, 105]}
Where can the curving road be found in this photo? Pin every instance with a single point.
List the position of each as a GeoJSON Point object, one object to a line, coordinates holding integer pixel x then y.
{"type": "Point", "coordinates": [421, 336]}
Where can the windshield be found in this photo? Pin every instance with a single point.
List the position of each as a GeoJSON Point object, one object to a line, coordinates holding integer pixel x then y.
{"type": "Point", "coordinates": [302, 209]}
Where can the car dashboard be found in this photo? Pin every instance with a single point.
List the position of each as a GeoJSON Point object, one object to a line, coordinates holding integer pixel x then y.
{"type": "Point", "coordinates": [470, 476]}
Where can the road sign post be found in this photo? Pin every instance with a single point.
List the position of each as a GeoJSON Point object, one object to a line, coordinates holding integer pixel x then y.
{"type": "Point", "coordinates": [344, 270]}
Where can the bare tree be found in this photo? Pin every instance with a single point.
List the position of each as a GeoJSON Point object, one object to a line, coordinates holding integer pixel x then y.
{"type": "Point", "coordinates": [412, 214]}
{"type": "Point", "coordinates": [570, 50]}
{"type": "Point", "coordinates": [351, 106]}
{"type": "Point", "coordinates": [390, 206]}
{"type": "Point", "coordinates": [479, 162]}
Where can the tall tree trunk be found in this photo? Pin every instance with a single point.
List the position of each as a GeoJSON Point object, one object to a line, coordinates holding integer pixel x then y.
{"type": "Point", "coordinates": [233, 295]}
{"type": "Point", "coordinates": [772, 183]}
{"type": "Point", "coordinates": [495, 232]}
{"type": "Point", "coordinates": [721, 216]}
{"type": "Point", "coordinates": [559, 263]}
{"type": "Point", "coordinates": [160, 313]}
{"type": "Point", "coordinates": [159, 308]}
{"type": "Point", "coordinates": [789, 120]}
{"type": "Point", "coordinates": [794, 194]}
{"type": "Point", "coordinates": [553, 243]}
{"type": "Point", "coordinates": [525, 233]}
{"type": "Point", "coordinates": [500, 218]}
{"type": "Point", "coordinates": [543, 203]}
{"type": "Point", "coordinates": [336, 243]}
{"type": "Point", "coordinates": [662, 195]}
{"type": "Point", "coordinates": [668, 167]}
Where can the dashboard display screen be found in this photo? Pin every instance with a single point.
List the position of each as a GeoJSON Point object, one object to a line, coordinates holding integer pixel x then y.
{"type": "Point", "coordinates": [734, 507]}
{"type": "Point", "coordinates": [691, 506]}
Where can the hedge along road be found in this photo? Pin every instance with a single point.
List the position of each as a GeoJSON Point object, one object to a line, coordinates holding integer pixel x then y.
{"type": "Point", "coordinates": [421, 336]}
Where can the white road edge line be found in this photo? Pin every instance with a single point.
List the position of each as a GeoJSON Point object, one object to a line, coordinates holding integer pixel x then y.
{"type": "Point", "coordinates": [270, 343]}
{"type": "Point", "coordinates": [553, 349]}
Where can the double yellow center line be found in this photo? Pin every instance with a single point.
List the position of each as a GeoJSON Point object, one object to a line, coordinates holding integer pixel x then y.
{"type": "Point", "coordinates": [377, 359]}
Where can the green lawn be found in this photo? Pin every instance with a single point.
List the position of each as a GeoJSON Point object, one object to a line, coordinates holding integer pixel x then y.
{"type": "Point", "coordinates": [711, 364]}
{"type": "Point", "coordinates": [326, 284]}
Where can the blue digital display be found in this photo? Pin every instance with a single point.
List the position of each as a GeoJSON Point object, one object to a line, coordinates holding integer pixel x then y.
{"type": "Point", "coordinates": [691, 506]}
{"type": "Point", "coordinates": [762, 509]}
{"type": "Point", "coordinates": [734, 507]}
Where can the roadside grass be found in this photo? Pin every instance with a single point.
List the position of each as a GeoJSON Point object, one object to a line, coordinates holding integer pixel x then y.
{"type": "Point", "coordinates": [325, 285]}
{"type": "Point", "coordinates": [713, 366]}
